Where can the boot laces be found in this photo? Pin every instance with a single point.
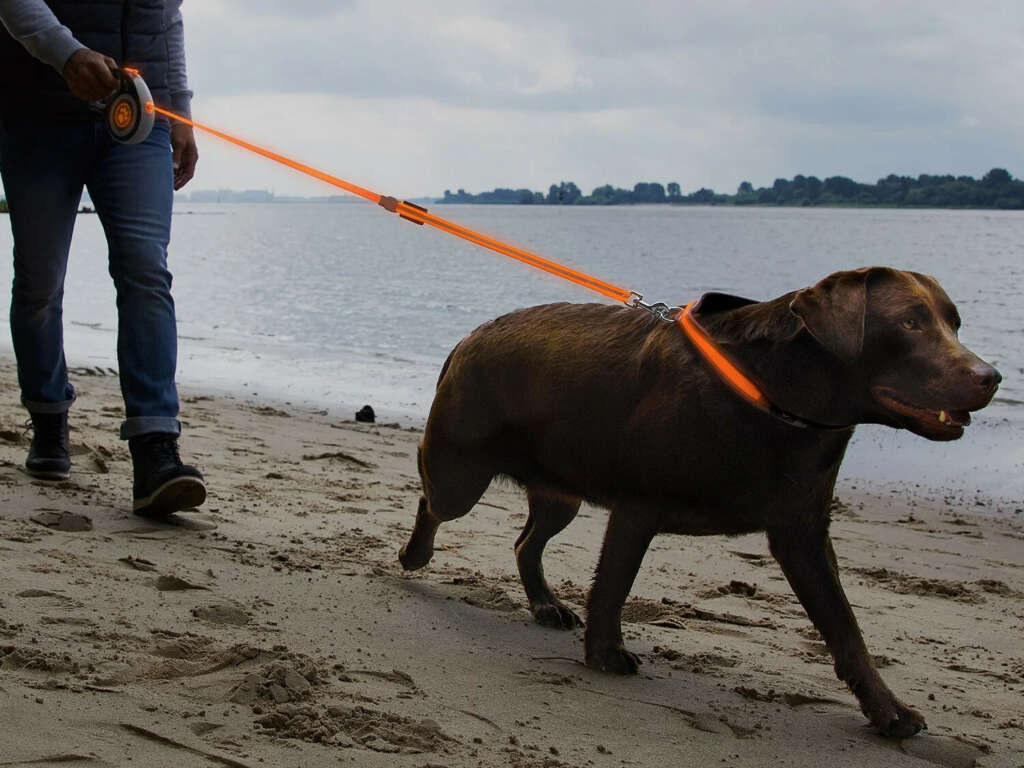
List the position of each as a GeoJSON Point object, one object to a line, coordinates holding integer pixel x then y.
{"type": "Point", "coordinates": [165, 450]}
{"type": "Point", "coordinates": [44, 429]}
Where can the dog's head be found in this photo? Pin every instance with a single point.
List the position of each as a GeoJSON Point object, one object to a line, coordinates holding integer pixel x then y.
{"type": "Point", "coordinates": [896, 334]}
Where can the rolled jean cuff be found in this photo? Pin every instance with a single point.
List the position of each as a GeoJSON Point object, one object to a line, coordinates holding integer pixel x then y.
{"type": "Point", "coordinates": [144, 425]}
{"type": "Point", "coordinates": [47, 408]}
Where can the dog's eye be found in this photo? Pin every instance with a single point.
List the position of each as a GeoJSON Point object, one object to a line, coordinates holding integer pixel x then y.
{"type": "Point", "coordinates": [911, 324]}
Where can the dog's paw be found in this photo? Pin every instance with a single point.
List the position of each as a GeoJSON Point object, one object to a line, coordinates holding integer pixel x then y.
{"type": "Point", "coordinates": [412, 558]}
{"type": "Point", "coordinates": [895, 719]}
{"type": "Point", "coordinates": [618, 661]}
{"type": "Point", "coordinates": [556, 615]}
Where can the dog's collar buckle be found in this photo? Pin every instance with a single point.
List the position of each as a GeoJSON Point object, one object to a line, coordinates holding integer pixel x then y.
{"type": "Point", "coordinates": [790, 419]}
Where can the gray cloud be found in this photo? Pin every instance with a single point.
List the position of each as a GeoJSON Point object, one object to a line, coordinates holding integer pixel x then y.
{"type": "Point", "coordinates": [706, 91]}
{"type": "Point", "coordinates": [309, 9]}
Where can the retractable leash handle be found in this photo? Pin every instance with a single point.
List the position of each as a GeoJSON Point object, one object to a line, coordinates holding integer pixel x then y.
{"type": "Point", "coordinates": [416, 214]}
{"type": "Point", "coordinates": [126, 113]}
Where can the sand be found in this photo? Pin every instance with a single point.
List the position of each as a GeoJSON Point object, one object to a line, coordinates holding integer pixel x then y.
{"type": "Point", "coordinates": [275, 626]}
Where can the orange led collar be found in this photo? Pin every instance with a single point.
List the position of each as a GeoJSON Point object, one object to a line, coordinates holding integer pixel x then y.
{"type": "Point", "coordinates": [735, 378]}
{"type": "Point", "coordinates": [723, 366]}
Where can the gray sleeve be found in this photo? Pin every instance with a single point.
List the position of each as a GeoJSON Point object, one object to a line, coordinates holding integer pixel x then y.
{"type": "Point", "coordinates": [32, 23]}
{"type": "Point", "coordinates": [177, 77]}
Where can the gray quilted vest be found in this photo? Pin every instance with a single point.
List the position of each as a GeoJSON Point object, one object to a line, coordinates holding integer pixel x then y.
{"type": "Point", "coordinates": [129, 31]}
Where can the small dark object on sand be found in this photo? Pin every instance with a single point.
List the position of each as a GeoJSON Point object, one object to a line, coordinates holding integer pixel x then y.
{"type": "Point", "coordinates": [366, 414]}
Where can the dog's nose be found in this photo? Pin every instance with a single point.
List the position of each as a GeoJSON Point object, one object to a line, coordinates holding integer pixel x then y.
{"type": "Point", "coordinates": [987, 376]}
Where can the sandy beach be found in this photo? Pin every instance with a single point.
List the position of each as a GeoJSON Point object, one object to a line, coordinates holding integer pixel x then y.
{"type": "Point", "coordinates": [275, 626]}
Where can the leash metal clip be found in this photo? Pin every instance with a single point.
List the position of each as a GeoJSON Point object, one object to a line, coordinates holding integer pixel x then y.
{"type": "Point", "coordinates": [659, 309]}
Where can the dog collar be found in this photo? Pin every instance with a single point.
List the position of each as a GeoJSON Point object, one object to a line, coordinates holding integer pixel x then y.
{"type": "Point", "coordinates": [740, 383]}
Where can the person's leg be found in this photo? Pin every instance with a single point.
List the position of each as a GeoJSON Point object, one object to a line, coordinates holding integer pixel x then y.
{"type": "Point", "coordinates": [43, 168]}
{"type": "Point", "coordinates": [131, 186]}
{"type": "Point", "coordinates": [43, 165]}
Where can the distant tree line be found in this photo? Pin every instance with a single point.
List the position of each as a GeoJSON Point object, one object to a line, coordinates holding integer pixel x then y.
{"type": "Point", "coordinates": [996, 189]}
{"type": "Point", "coordinates": [3, 205]}
{"type": "Point", "coordinates": [506, 196]}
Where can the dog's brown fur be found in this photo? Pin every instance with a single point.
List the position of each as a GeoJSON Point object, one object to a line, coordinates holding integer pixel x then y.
{"type": "Point", "coordinates": [612, 406]}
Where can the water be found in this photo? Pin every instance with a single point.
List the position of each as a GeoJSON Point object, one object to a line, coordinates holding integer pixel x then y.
{"type": "Point", "coordinates": [340, 305]}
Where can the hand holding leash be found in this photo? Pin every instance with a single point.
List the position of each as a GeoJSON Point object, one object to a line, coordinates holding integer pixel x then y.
{"type": "Point", "coordinates": [90, 75]}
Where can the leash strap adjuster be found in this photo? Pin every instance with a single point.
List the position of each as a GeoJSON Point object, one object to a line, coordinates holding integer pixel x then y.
{"type": "Point", "coordinates": [409, 218]}
{"type": "Point", "coordinates": [391, 204]}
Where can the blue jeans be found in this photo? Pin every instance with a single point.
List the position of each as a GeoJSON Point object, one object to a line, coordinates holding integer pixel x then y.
{"type": "Point", "coordinates": [44, 165]}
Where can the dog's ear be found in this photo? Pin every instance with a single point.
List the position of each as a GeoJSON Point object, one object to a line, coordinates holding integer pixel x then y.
{"type": "Point", "coordinates": [833, 312]}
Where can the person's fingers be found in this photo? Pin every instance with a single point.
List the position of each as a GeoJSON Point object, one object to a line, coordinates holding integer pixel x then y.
{"type": "Point", "coordinates": [91, 75]}
{"type": "Point", "coordinates": [93, 83]}
{"type": "Point", "coordinates": [106, 78]}
{"type": "Point", "coordinates": [186, 170]}
{"type": "Point", "coordinates": [186, 155]}
{"type": "Point", "coordinates": [177, 150]}
{"type": "Point", "coordinates": [108, 74]}
{"type": "Point", "coordinates": [91, 89]}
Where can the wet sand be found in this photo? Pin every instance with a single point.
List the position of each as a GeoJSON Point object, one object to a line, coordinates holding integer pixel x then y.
{"type": "Point", "coordinates": [275, 626]}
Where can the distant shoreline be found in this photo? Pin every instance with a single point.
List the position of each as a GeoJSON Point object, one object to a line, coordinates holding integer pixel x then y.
{"type": "Point", "coordinates": [758, 206]}
{"type": "Point", "coordinates": [997, 190]}
{"type": "Point", "coordinates": [827, 206]}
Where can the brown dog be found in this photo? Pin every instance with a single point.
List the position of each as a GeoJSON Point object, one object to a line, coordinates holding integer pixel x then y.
{"type": "Point", "coordinates": [613, 406]}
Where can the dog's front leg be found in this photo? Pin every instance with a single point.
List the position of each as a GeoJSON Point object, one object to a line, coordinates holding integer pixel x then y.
{"type": "Point", "coordinates": [809, 562]}
{"type": "Point", "coordinates": [629, 533]}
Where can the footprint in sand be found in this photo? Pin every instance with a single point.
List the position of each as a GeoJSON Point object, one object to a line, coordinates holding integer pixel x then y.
{"type": "Point", "coordinates": [222, 613]}
{"type": "Point", "coordinates": [62, 521]}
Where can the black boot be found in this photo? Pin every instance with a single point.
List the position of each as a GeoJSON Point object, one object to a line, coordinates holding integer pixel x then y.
{"type": "Point", "coordinates": [163, 484]}
{"type": "Point", "coordinates": [49, 457]}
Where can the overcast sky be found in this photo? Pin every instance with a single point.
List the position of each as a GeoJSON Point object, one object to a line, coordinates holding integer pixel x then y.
{"type": "Point", "coordinates": [412, 98]}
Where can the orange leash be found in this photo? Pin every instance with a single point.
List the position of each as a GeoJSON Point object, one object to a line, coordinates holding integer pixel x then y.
{"type": "Point", "coordinates": [419, 215]}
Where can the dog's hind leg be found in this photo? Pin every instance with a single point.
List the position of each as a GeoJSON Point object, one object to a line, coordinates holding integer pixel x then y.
{"type": "Point", "coordinates": [453, 482]}
{"type": "Point", "coordinates": [549, 514]}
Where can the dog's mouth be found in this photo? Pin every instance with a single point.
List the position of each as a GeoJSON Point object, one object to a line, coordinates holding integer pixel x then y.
{"type": "Point", "coordinates": [950, 421]}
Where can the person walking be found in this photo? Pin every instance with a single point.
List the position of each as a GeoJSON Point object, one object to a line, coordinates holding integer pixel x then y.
{"type": "Point", "coordinates": [56, 57]}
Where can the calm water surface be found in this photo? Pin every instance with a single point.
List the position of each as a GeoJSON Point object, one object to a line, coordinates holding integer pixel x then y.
{"type": "Point", "coordinates": [340, 305]}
